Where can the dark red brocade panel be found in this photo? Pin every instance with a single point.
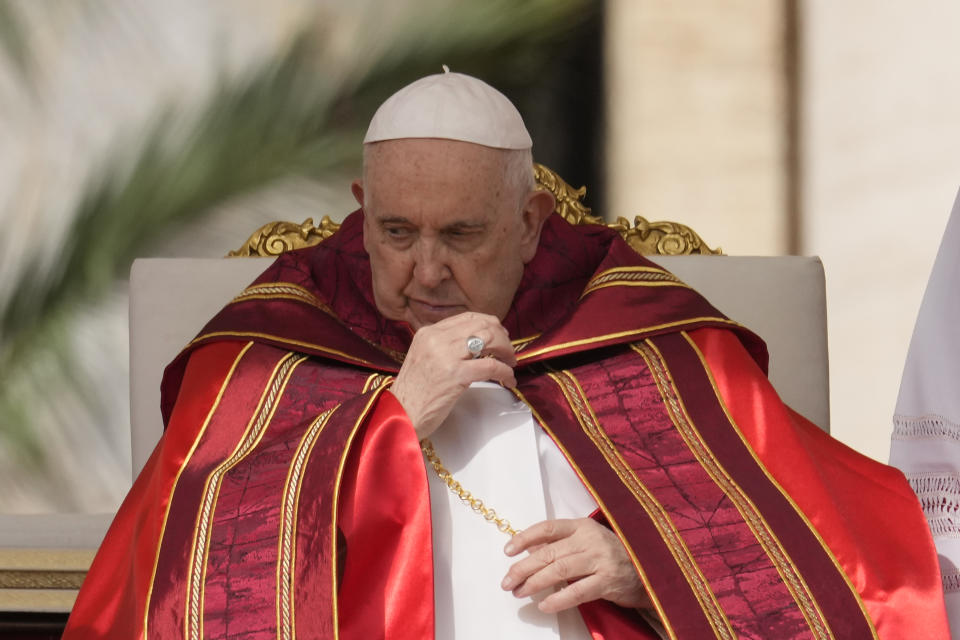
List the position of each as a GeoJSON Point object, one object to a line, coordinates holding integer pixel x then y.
{"type": "Point", "coordinates": [563, 410]}
{"type": "Point", "coordinates": [790, 541]}
{"type": "Point", "coordinates": [690, 506]}
{"type": "Point", "coordinates": [863, 510]}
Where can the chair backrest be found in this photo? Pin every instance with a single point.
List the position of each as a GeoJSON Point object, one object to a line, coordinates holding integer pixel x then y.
{"type": "Point", "coordinates": [781, 298]}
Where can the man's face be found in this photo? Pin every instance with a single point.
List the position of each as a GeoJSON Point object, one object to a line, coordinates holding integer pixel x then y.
{"type": "Point", "coordinates": [444, 232]}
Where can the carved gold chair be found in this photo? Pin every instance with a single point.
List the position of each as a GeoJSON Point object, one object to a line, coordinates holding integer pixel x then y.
{"type": "Point", "coordinates": [781, 298]}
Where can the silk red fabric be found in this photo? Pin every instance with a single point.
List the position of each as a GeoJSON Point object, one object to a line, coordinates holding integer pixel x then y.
{"type": "Point", "coordinates": [895, 572]}
{"type": "Point", "coordinates": [288, 494]}
{"type": "Point", "coordinates": [113, 600]}
{"type": "Point", "coordinates": [387, 588]}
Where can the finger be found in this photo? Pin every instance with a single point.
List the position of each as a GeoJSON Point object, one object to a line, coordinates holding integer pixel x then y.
{"type": "Point", "coordinates": [540, 558]}
{"type": "Point", "coordinates": [500, 346]}
{"type": "Point", "coordinates": [563, 569]}
{"type": "Point", "coordinates": [605, 559]}
{"type": "Point", "coordinates": [596, 587]}
{"type": "Point", "coordinates": [576, 593]}
{"type": "Point", "coordinates": [496, 339]}
{"type": "Point", "coordinates": [473, 318]}
{"type": "Point", "coordinates": [487, 369]}
{"type": "Point", "coordinates": [496, 344]}
{"type": "Point", "coordinates": [542, 532]}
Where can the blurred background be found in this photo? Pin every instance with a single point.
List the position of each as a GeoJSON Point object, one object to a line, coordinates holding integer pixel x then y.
{"type": "Point", "coordinates": [133, 128]}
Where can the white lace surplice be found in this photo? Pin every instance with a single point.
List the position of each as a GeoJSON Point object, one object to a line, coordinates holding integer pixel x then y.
{"type": "Point", "coordinates": [926, 435]}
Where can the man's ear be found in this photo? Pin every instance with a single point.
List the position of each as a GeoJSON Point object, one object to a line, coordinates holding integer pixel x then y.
{"type": "Point", "coordinates": [538, 208]}
{"type": "Point", "coordinates": [357, 189]}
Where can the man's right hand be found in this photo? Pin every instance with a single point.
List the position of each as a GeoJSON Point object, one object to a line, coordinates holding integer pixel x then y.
{"type": "Point", "coordinates": [438, 368]}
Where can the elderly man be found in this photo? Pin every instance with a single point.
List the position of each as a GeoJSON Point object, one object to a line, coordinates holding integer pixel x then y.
{"type": "Point", "coordinates": [456, 343]}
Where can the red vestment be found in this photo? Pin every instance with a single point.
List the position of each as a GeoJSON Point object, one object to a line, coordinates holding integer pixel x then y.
{"type": "Point", "coordinates": [288, 496]}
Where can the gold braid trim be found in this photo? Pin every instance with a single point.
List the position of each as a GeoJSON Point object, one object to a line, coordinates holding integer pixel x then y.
{"type": "Point", "coordinates": [748, 510]}
{"type": "Point", "coordinates": [580, 405]}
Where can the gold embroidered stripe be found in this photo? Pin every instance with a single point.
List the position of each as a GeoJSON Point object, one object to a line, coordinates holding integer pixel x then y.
{"type": "Point", "coordinates": [780, 489]}
{"type": "Point", "coordinates": [374, 382]}
{"type": "Point", "coordinates": [281, 340]}
{"type": "Point", "coordinates": [521, 344]}
{"type": "Point", "coordinates": [176, 480]}
{"type": "Point", "coordinates": [286, 552]}
{"type": "Point", "coordinates": [632, 277]}
{"type": "Point", "coordinates": [625, 269]}
{"type": "Point", "coordinates": [578, 402]}
{"type": "Point", "coordinates": [286, 290]}
{"type": "Point", "coordinates": [196, 571]}
{"type": "Point", "coordinates": [290, 291]}
{"type": "Point", "coordinates": [630, 333]}
{"type": "Point", "coordinates": [751, 515]}
{"type": "Point", "coordinates": [604, 509]}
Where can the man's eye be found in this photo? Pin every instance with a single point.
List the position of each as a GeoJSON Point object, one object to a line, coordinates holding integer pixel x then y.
{"type": "Point", "coordinates": [461, 234]}
{"type": "Point", "coordinates": [396, 232]}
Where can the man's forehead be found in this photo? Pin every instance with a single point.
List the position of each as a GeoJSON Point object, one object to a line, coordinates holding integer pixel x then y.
{"type": "Point", "coordinates": [392, 203]}
{"type": "Point", "coordinates": [453, 221]}
{"type": "Point", "coordinates": [440, 169]}
{"type": "Point", "coordinates": [405, 151]}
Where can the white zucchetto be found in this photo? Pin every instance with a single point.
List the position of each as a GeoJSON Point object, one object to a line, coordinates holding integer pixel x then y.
{"type": "Point", "coordinates": [451, 106]}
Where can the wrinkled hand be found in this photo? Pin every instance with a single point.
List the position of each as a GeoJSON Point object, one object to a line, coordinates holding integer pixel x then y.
{"type": "Point", "coordinates": [438, 367]}
{"type": "Point", "coordinates": [582, 556]}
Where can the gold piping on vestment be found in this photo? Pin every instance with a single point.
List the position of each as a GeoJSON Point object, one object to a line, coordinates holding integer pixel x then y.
{"type": "Point", "coordinates": [176, 480]}
{"type": "Point", "coordinates": [286, 341]}
{"type": "Point", "coordinates": [286, 542]}
{"type": "Point", "coordinates": [632, 277]}
{"type": "Point", "coordinates": [296, 293]}
{"type": "Point", "coordinates": [623, 334]}
{"type": "Point", "coordinates": [699, 585]}
{"type": "Point", "coordinates": [256, 427]}
{"type": "Point", "coordinates": [522, 343]}
{"type": "Point", "coordinates": [286, 290]}
{"type": "Point", "coordinates": [627, 269]}
{"type": "Point", "coordinates": [762, 532]}
{"type": "Point", "coordinates": [606, 512]}
{"type": "Point", "coordinates": [374, 380]}
{"type": "Point", "coordinates": [773, 481]}
{"type": "Point", "coordinates": [336, 503]}
{"type": "Point", "coordinates": [633, 283]}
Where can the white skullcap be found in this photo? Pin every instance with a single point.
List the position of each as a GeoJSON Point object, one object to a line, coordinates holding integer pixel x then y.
{"type": "Point", "coordinates": [452, 106]}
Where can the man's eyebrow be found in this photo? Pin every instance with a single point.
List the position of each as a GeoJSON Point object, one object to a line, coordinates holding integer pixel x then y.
{"type": "Point", "coordinates": [392, 220]}
{"type": "Point", "coordinates": [464, 225]}
{"type": "Point", "coordinates": [457, 225]}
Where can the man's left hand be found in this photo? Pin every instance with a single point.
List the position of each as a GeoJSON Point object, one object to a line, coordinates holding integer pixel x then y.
{"type": "Point", "coordinates": [583, 556]}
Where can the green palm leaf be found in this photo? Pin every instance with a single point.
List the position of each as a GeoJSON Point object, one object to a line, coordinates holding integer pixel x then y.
{"type": "Point", "coordinates": [293, 115]}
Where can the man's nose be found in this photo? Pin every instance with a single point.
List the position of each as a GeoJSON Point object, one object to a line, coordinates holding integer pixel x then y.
{"type": "Point", "coordinates": [430, 269]}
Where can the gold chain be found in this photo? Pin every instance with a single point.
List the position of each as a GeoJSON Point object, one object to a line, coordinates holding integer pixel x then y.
{"type": "Point", "coordinates": [457, 489]}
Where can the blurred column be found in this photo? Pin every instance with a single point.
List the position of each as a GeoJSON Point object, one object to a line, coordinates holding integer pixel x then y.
{"type": "Point", "coordinates": [700, 118]}
{"type": "Point", "coordinates": [881, 168]}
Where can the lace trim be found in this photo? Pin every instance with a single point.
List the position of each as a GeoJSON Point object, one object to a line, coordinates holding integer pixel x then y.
{"type": "Point", "coordinates": [939, 495]}
{"type": "Point", "coordinates": [951, 582]}
{"type": "Point", "coordinates": [924, 427]}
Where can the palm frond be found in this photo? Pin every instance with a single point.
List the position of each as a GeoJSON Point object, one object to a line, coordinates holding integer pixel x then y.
{"type": "Point", "coordinates": [13, 42]}
{"type": "Point", "coordinates": [292, 115]}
